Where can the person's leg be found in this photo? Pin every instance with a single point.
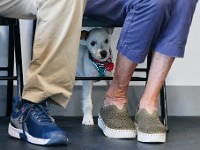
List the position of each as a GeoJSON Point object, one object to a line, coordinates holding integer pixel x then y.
{"type": "Point", "coordinates": [136, 17]}
{"type": "Point", "coordinates": [170, 44]}
{"type": "Point", "coordinates": [117, 93]}
{"type": "Point", "coordinates": [134, 46]}
{"type": "Point", "coordinates": [56, 45]}
{"type": "Point", "coordinates": [149, 127]}
{"type": "Point", "coordinates": [159, 69]}
{"type": "Point", "coordinates": [52, 71]}
{"type": "Point", "coordinates": [112, 12]}
{"type": "Point", "coordinates": [133, 50]}
{"type": "Point", "coordinates": [136, 38]}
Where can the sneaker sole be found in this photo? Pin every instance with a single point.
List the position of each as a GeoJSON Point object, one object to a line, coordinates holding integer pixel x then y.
{"type": "Point", "coordinates": [112, 133]}
{"type": "Point", "coordinates": [151, 138]}
{"type": "Point", "coordinates": [17, 133]}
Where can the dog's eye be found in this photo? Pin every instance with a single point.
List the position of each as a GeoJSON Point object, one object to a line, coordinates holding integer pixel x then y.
{"type": "Point", "coordinates": [93, 43]}
{"type": "Point", "coordinates": [106, 41]}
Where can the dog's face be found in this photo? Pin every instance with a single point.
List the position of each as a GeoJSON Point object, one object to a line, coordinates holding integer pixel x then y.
{"type": "Point", "coordinates": [98, 42]}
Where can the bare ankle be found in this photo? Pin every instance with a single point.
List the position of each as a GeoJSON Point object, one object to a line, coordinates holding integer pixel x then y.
{"type": "Point", "coordinates": [119, 103]}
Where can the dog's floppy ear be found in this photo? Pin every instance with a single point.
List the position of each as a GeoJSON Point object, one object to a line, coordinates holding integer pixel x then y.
{"type": "Point", "coordinates": [84, 35]}
{"type": "Point", "coordinates": [109, 30]}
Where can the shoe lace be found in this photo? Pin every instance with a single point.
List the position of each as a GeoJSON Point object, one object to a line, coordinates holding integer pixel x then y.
{"type": "Point", "coordinates": [40, 111]}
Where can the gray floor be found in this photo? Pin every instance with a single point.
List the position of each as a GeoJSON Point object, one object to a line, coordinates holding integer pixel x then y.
{"type": "Point", "coordinates": [184, 134]}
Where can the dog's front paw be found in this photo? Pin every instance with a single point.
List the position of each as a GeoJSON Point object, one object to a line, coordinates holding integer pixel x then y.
{"type": "Point", "coordinates": [88, 120]}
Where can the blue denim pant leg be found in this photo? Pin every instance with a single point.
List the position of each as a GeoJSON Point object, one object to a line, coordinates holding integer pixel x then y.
{"type": "Point", "coordinates": [144, 22]}
{"type": "Point", "coordinates": [141, 28]}
{"type": "Point", "coordinates": [173, 38]}
{"type": "Point", "coordinates": [141, 20]}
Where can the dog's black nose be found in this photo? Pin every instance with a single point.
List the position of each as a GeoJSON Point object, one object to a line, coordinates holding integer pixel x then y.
{"type": "Point", "coordinates": [103, 54]}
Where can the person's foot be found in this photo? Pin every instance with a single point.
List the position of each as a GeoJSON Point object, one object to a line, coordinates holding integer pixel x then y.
{"type": "Point", "coordinates": [31, 122]}
{"type": "Point", "coordinates": [116, 123]}
{"type": "Point", "coordinates": [149, 128]}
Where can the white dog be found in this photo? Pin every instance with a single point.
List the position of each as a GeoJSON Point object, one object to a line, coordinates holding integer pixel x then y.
{"type": "Point", "coordinates": [94, 60]}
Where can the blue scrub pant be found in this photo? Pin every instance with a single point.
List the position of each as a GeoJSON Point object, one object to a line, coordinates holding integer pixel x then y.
{"type": "Point", "coordinates": [160, 25]}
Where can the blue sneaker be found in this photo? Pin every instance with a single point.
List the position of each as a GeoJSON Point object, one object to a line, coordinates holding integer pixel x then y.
{"type": "Point", "coordinates": [32, 123]}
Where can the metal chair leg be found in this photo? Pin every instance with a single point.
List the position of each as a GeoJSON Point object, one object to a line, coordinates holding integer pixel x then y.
{"type": "Point", "coordinates": [163, 105]}
{"type": "Point", "coordinates": [18, 57]}
{"type": "Point", "coordinates": [14, 48]}
{"type": "Point", "coordinates": [10, 71]}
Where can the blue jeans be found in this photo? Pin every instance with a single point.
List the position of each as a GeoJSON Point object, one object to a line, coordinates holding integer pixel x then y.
{"type": "Point", "coordinates": [160, 25]}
